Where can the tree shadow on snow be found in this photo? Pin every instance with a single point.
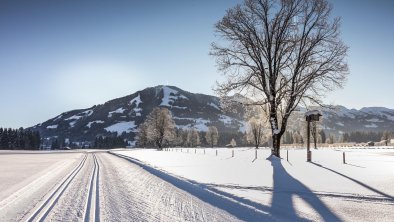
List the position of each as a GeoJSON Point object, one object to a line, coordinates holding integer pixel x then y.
{"type": "Point", "coordinates": [247, 211]}
{"type": "Point", "coordinates": [285, 187]}
{"type": "Point", "coordinates": [389, 197]}
{"type": "Point", "coordinates": [282, 207]}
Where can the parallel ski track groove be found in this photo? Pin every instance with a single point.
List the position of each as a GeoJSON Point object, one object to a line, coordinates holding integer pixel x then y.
{"type": "Point", "coordinates": [41, 213]}
{"type": "Point", "coordinates": [92, 212]}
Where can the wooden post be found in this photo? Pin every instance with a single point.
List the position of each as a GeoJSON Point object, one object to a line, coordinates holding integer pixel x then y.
{"type": "Point", "coordinates": [287, 156]}
{"type": "Point", "coordinates": [195, 150]}
{"type": "Point", "coordinates": [343, 158]}
{"type": "Point", "coordinates": [308, 140]}
{"type": "Point", "coordinates": [255, 154]}
{"type": "Point", "coordinates": [216, 152]}
{"type": "Point", "coordinates": [204, 151]}
{"type": "Point", "coordinates": [232, 153]}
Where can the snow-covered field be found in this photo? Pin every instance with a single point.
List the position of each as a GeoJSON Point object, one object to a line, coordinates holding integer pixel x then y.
{"type": "Point", "coordinates": [196, 185]}
{"type": "Point", "coordinates": [276, 189]}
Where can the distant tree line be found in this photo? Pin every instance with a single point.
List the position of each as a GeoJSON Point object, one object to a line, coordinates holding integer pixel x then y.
{"type": "Point", "coordinates": [109, 142]}
{"type": "Point", "coordinates": [300, 137]}
{"type": "Point", "coordinates": [17, 139]}
{"type": "Point", "coordinates": [158, 130]}
{"type": "Point", "coordinates": [362, 137]}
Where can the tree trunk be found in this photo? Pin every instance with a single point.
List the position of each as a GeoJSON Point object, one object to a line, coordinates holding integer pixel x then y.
{"type": "Point", "coordinates": [276, 145]}
{"type": "Point", "coordinates": [160, 145]}
{"type": "Point", "coordinates": [315, 140]}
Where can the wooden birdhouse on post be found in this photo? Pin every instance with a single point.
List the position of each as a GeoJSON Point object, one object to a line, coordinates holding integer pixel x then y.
{"type": "Point", "coordinates": [310, 116]}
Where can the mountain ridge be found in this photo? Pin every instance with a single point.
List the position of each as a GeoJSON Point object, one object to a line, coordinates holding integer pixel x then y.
{"type": "Point", "coordinates": [121, 116]}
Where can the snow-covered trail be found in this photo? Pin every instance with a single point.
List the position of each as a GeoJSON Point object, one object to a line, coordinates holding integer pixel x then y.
{"type": "Point", "coordinates": [75, 198]}
{"type": "Point", "coordinates": [99, 186]}
{"type": "Point", "coordinates": [130, 193]}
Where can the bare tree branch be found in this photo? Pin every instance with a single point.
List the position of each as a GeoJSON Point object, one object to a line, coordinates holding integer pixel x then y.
{"type": "Point", "coordinates": [280, 53]}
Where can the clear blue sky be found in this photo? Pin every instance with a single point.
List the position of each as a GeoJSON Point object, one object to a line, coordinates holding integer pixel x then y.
{"type": "Point", "coordinates": [61, 55]}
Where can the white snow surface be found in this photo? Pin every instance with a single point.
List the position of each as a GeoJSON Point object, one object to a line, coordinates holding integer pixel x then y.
{"type": "Point", "coordinates": [87, 112]}
{"type": "Point", "coordinates": [119, 110]}
{"type": "Point", "coordinates": [380, 111]}
{"type": "Point", "coordinates": [372, 125]}
{"type": "Point", "coordinates": [213, 105]}
{"type": "Point", "coordinates": [200, 124]}
{"type": "Point", "coordinates": [375, 120]}
{"type": "Point", "coordinates": [312, 112]}
{"type": "Point", "coordinates": [225, 119]}
{"type": "Point", "coordinates": [294, 190]}
{"type": "Point", "coordinates": [170, 96]}
{"type": "Point", "coordinates": [96, 186]}
{"type": "Point", "coordinates": [96, 121]}
{"type": "Point", "coordinates": [75, 117]}
{"type": "Point", "coordinates": [80, 115]}
{"type": "Point", "coordinates": [344, 112]}
{"type": "Point", "coordinates": [52, 126]}
{"type": "Point", "coordinates": [121, 127]}
{"type": "Point", "coordinates": [58, 117]}
{"type": "Point", "coordinates": [137, 100]}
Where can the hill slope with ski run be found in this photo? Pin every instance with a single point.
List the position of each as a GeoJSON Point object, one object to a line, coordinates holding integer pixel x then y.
{"type": "Point", "coordinates": [294, 190]}
{"type": "Point", "coordinates": [122, 116]}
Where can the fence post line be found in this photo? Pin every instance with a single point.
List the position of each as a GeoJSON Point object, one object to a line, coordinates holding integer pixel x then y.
{"type": "Point", "coordinates": [216, 152]}
{"type": "Point", "coordinates": [232, 153]}
{"type": "Point", "coordinates": [343, 158]}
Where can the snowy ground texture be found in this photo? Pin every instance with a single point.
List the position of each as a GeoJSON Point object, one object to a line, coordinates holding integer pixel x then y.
{"type": "Point", "coordinates": [196, 185]}
{"type": "Point", "coordinates": [92, 186]}
{"type": "Point", "coordinates": [272, 189]}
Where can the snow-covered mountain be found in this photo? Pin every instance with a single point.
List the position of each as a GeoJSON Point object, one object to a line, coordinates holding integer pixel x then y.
{"type": "Point", "coordinates": [340, 119]}
{"type": "Point", "coordinates": [122, 116]}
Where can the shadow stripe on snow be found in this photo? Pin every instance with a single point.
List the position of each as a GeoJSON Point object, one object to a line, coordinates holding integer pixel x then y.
{"type": "Point", "coordinates": [246, 212]}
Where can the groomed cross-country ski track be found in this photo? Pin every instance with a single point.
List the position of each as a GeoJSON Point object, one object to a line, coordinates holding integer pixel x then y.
{"type": "Point", "coordinates": [99, 186]}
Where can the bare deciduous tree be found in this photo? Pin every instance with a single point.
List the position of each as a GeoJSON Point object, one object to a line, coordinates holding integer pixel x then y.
{"type": "Point", "coordinates": [193, 137]}
{"type": "Point", "coordinates": [142, 135]}
{"type": "Point", "coordinates": [314, 132]}
{"type": "Point", "coordinates": [257, 131]}
{"type": "Point", "coordinates": [160, 127]}
{"type": "Point", "coordinates": [212, 136]}
{"type": "Point", "coordinates": [280, 53]}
